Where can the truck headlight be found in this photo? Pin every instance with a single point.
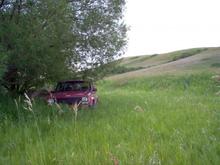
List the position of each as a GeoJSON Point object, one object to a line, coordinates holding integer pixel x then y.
{"type": "Point", "coordinates": [84, 99]}
{"type": "Point", "coordinates": [50, 101]}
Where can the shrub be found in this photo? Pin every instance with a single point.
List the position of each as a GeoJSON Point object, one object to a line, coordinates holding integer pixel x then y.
{"type": "Point", "coordinates": [187, 53]}
{"type": "Point", "coordinates": [123, 69]}
{"type": "Point", "coordinates": [216, 65]}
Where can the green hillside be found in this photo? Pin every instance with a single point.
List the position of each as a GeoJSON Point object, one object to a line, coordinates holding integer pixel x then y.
{"type": "Point", "coordinates": [184, 61]}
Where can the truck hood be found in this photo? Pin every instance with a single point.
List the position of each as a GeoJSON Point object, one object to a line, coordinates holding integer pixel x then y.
{"type": "Point", "coordinates": [69, 94]}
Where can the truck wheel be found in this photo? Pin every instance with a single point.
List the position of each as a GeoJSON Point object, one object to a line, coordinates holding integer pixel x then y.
{"type": "Point", "coordinates": [93, 105]}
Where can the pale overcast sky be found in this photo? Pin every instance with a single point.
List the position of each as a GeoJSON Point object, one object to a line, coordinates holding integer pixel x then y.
{"type": "Point", "coordinates": [158, 26]}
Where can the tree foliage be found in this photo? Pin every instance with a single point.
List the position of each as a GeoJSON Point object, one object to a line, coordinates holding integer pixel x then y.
{"type": "Point", "coordinates": [99, 30]}
{"type": "Point", "coordinates": [46, 40]}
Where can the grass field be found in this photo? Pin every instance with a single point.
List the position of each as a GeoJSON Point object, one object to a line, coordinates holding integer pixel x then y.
{"type": "Point", "coordinates": [154, 120]}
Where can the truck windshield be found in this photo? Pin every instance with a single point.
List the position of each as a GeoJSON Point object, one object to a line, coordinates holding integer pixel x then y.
{"type": "Point", "coordinates": [73, 86]}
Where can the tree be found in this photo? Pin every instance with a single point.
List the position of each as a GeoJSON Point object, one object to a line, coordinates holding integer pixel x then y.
{"type": "Point", "coordinates": [100, 31]}
{"type": "Point", "coordinates": [47, 40]}
{"type": "Point", "coordinates": [38, 40]}
{"type": "Point", "coordinates": [2, 61]}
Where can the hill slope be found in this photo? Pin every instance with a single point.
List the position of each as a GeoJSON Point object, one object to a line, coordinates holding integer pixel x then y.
{"type": "Point", "coordinates": [185, 61]}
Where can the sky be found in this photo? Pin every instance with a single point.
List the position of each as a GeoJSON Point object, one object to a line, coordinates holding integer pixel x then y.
{"type": "Point", "coordinates": [160, 26]}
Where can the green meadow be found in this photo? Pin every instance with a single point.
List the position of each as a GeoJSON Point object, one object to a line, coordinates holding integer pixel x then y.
{"type": "Point", "coordinates": [153, 120]}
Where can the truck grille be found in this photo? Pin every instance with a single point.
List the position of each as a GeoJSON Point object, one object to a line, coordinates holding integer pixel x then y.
{"type": "Point", "coordinates": [71, 100]}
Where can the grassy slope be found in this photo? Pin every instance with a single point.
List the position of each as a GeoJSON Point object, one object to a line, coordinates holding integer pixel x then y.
{"type": "Point", "coordinates": [199, 60]}
{"type": "Point", "coordinates": [157, 120]}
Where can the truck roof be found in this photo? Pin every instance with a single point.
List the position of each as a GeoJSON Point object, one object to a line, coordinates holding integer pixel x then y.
{"type": "Point", "coordinates": [72, 81]}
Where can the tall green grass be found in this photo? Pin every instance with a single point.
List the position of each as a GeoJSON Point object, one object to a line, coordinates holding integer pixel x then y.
{"type": "Point", "coordinates": [160, 120]}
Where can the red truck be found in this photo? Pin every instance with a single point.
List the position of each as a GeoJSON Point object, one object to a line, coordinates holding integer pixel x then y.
{"type": "Point", "coordinates": [74, 91]}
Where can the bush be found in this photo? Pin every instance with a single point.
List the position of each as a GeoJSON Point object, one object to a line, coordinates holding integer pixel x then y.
{"type": "Point", "coordinates": [3, 91]}
{"type": "Point", "coordinates": [122, 69]}
{"type": "Point", "coordinates": [216, 65]}
{"type": "Point", "coordinates": [187, 53]}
